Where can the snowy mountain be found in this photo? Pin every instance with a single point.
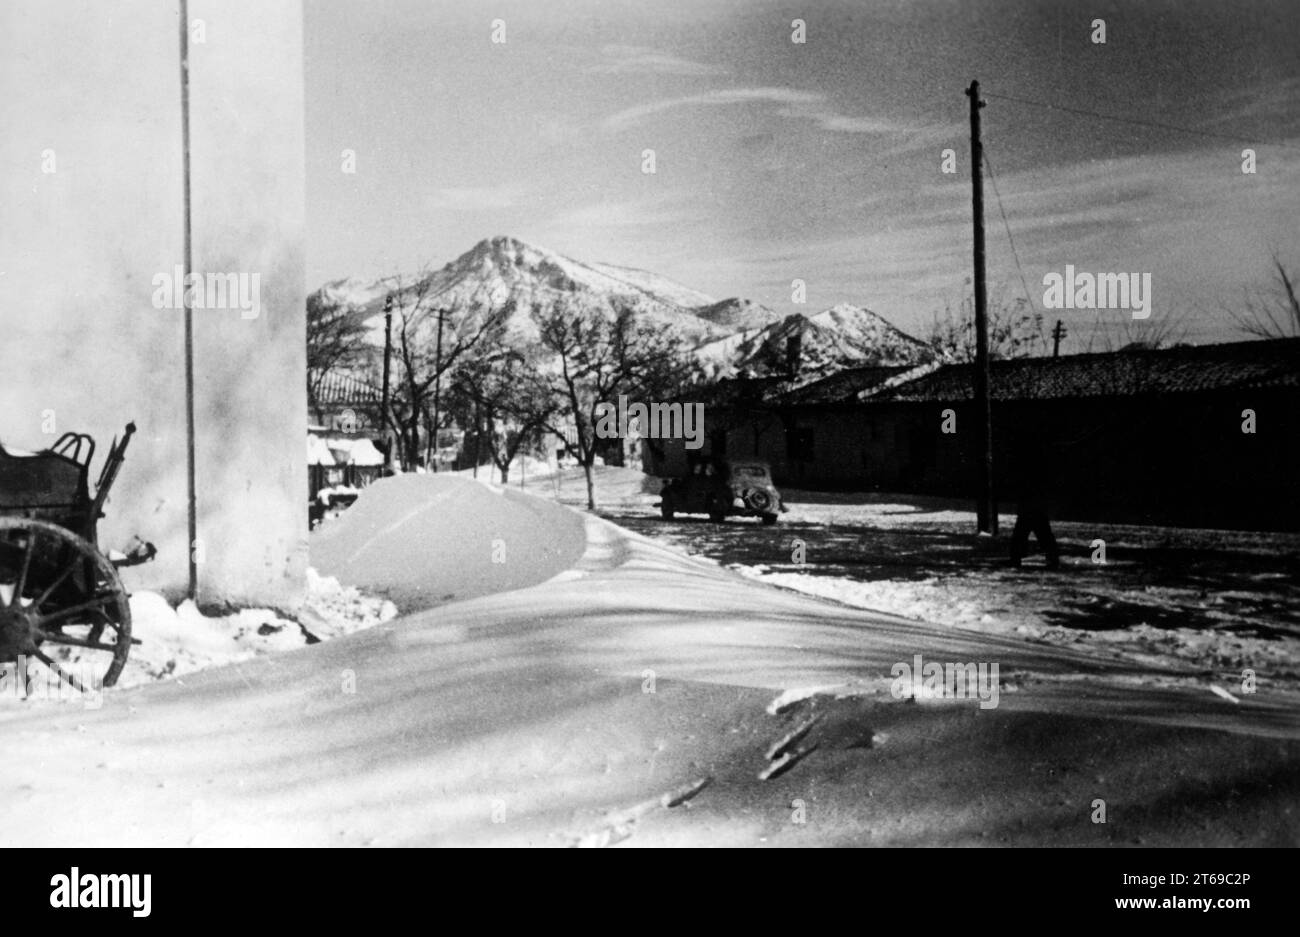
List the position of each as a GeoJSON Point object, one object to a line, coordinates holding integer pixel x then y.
{"type": "Point", "coordinates": [355, 293]}
{"type": "Point", "coordinates": [729, 336]}
{"type": "Point", "coordinates": [812, 346]}
{"type": "Point", "coordinates": [502, 270]}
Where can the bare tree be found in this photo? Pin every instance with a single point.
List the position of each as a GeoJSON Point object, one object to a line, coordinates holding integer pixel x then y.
{"type": "Point", "coordinates": [1167, 330]}
{"type": "Point", "coordinates": [1272, 312]}
{"type": "Point", "coordinates": [336, 343]}
{"type": "Point", "coordinates": [1015, 329]}
{"type": "Point", "coordinates": [505, 397]}
{"type": "Point", "coordinates": [429, 343]}
{"type": "Point", "coordinates": [599, 358]}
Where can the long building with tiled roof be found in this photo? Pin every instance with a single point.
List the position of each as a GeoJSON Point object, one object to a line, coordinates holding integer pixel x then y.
{"type": "Point", "coordinates": [1186, 369]}
{"type": "Point", "coordinates": [1138, 435]}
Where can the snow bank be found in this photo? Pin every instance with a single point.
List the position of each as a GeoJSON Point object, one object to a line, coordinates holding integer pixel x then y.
{"type": "Point", "coordinates": [181, 640]}
{"type": "Point", "coordinates": [424, 540]}
{"type": "Point", "coordinates": [983, 605]}
{"type": "Point", "coordinates": [332, 609]}
{"type": "Point", "coordinates": [176, 641]}
{"type": "Point", "coordinates": [598, 701]}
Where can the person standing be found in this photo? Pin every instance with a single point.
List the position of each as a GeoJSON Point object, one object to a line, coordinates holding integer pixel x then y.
{"type": "Point", "coordinates": [1033, 482]}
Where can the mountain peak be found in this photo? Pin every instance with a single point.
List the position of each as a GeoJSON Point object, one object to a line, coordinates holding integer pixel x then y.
{"type": "Point", "coordinates": [846, 309]}
{"type": "Point", "coordinates": [504, 248]}
{"type": "Point", "coordinates": [841, 311]}
{"type": "Point", "coordinates": [503, 270]}
{"type": "Point", "coordinates": [814, 345]}
{"type": "Point", "coordinates": [508, 242]}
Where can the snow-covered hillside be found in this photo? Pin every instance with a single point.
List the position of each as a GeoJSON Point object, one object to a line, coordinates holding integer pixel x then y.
{"type": "Point", "coordinates": [841, 337]}
{"type": "Point", "coordinates": [738, 313]}
{"type": "Point", "coordinates": [728, 336]}
{"type": "Point", "coordinates": [503, 270]}
{"type": "Point", "coordinates": [355, 292]}
{"type": "Point", "coordinates": [655, 285]}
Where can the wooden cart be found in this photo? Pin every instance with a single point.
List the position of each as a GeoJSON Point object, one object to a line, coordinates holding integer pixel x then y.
{"type": "Point", "coordinates": [61, 600]}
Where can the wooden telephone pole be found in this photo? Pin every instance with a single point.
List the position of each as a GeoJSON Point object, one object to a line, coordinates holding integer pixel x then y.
{"type": "Point", "coordinates": [986, 515]}
{"type": "Point", "coordinates": [1058, 332]}
{"type": "Point", "coordinates": [388, 354]}
{"type": "Point", "coordinates": [191, 492]}
{"type": "Point", "coordinates": [437, 389]}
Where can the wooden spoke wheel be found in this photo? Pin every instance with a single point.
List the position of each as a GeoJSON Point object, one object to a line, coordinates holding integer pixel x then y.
{"type": "Point", "coordinates": [61, 603]}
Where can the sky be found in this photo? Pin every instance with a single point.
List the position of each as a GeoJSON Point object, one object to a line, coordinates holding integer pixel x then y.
{"type": "Point", "coordinates": [822, 160]}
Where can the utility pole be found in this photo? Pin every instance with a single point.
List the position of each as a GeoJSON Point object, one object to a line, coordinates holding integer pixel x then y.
{"type": "Point", "coordinates": [191, 491]}
{"type": "Point", "coordinates": [437, 387]}
{"type": "Point", "coordinates": [478, 434]}
{"type": "Point", "coordinates": [388, 354]}
{"type": "Point", "coordinates": [986, 515]}
{"type": "Point", "coordinates": [1058, 333]}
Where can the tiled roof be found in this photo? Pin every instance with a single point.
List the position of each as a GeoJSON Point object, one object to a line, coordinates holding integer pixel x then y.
{"type": "Point", "coordinates": [745, 390]}
{"type": "Point", "coordinates": [342, 388]}
{"type": "Point", "coordinates": [842, 386]}
{"type": "Point", "coordinates": [1123, 373]}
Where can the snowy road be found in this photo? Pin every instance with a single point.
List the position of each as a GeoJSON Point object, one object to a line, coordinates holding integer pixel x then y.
{"type": "Point", "coordinates": [558, 713]}
{"type": "Point", "coordinates": [1213, 604]}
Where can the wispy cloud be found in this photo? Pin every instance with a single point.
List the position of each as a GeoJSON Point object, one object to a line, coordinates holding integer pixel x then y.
{"type": "Point", "coordinates": [639, 60]}
{"type": "Point", "coordinates": [795, 104]}
{"type": "Point", "coordinates": [633, 115]}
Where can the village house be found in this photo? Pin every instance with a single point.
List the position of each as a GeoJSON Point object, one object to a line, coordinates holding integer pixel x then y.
{"type": "Point", "coordinates": [345, 403]}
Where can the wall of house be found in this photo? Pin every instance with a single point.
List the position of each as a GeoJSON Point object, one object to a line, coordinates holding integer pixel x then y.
{"type": "Point", "coordinates": [1174, 459]}
{"type": "Point", "coordinates": [91, 201]}
{"type": "Point", "coordinates": [1177, 460]}
{"type": "Point", "coordinates": [759, 435]}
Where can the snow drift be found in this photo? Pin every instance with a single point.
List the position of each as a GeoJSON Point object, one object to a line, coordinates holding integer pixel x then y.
{"type": "Point", "coordinates": [589, 708]}
{"type": "Point", "coordinates": [423, 540]}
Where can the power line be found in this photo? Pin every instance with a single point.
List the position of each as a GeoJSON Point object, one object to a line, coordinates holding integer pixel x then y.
{"type": "Point", "coordinates": [1005, 224]}
{"type": "Point", "coordinates": [1132, 120]}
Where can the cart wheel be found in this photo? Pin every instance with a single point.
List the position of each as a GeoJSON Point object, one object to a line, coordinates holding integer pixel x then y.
{"type": "Point", "coordinates": [61, 602]}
